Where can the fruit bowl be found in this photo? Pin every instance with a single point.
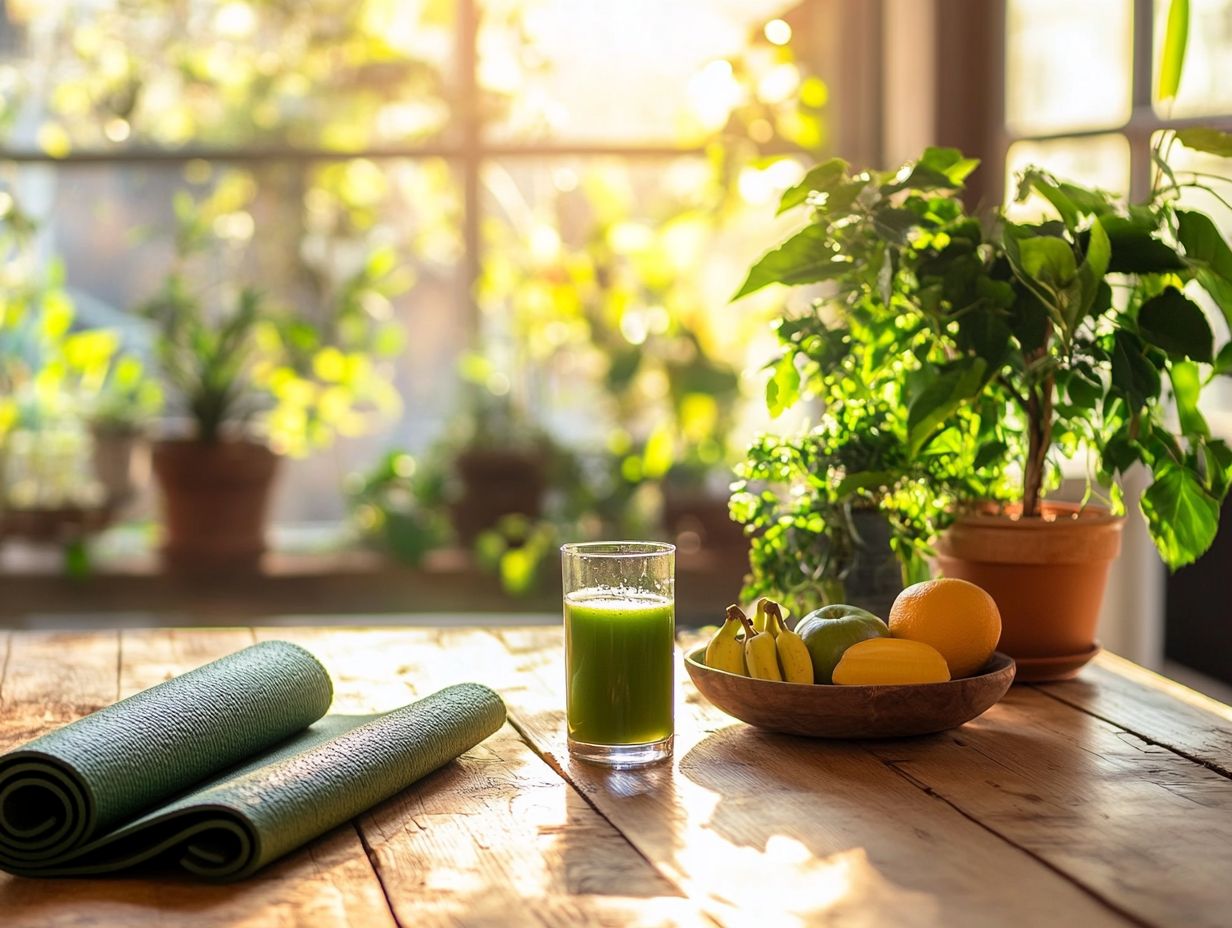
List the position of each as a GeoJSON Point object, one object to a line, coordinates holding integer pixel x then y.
{"type": "Point", "coordinates": [832, 711]}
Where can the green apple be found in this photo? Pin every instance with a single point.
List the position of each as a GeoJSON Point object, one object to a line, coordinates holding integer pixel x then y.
{"type": "Point", "coordinates": [831, 630]}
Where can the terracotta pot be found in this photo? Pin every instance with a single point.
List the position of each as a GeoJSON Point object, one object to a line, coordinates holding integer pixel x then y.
{"type": "Point", "coordinates": [1047, 576]}
{"type": "Point", "coordinates": [699, 519]}
{"type": "Point", "coordinates": [875, 577]}
{"type": "Point", "coordinates": [496, 483]}
{"type": "Point", "coordinates": [118, 465]}
{"type": "Point", "coordinates": [215, 497]}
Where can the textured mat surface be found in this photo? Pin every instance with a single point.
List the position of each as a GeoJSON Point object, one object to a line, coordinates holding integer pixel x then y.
{"type": "Point", "coordinates": [222, 769]}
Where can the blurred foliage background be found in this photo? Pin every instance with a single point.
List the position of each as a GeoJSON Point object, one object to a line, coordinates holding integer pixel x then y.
{"type": "Point", "coordinates": [318, 156]}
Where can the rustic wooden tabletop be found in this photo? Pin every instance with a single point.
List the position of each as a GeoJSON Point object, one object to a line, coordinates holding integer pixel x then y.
{"type": "Point", "coordinates": [1103, 801]}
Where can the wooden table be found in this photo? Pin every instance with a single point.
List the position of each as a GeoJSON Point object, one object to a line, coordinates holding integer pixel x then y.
{"type": "Point", "coordinates": [1102, 802]}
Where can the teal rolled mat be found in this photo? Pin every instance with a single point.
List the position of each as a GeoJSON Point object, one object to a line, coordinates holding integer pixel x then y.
{"type": "Point", "coordinates": [222, 770]}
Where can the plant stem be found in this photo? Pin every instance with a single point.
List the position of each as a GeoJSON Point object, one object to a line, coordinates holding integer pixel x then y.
{"type": "Point", "coordinates": [1039, 432]}
{"type": "Point", "coordinates": [1039, 439]}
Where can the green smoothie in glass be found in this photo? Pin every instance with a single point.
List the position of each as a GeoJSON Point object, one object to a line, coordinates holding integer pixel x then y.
{"type": "Point", "coordinates": [620, 617]}
{"type": "Point", "coordinates": [619, 657]}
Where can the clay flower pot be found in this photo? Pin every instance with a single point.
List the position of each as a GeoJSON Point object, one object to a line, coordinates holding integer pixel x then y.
{"type": "Point", "coordinates": [215, 497]}
{"type": "Point", "coordinates": [496, 482]}
{"type": "Point", "coordinates": [118, 463]}
{"type": "Point", "coordinates": [1047, 576]}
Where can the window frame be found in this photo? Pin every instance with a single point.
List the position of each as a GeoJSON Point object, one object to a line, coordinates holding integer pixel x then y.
{"type": "Point", "coordinates": [1143, 121]}
{"type": "Point", "coordinates": [465, 147]}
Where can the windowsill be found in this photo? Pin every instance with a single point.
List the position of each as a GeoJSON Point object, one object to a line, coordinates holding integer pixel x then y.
{"type": "Point", "coordinates": [126, 583]}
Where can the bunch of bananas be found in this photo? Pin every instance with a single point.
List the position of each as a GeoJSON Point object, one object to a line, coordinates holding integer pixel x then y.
{"type": "Point", "coordinates": [769, 650]}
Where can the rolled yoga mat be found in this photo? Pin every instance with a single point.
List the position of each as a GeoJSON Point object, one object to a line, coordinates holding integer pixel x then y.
{"type": "Point", "coordinates": [221, 769]}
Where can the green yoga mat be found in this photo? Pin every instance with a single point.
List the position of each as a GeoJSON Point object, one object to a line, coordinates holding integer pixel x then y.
{"type": "Point", "coordinates": [222, 769]}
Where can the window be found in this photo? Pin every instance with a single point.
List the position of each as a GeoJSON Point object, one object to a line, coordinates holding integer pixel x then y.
{"type": "Point", "coordinates": [568, 186]}
{"type": "Point", "coordinates": [1079, 84]}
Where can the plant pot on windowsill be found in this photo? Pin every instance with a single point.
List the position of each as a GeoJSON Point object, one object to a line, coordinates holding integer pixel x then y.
{"type": "Point", "coordinates": [119, 462]}
{"type": "Point", "coordinates": [1047, 576]}
{"type": "Point", "coordinates": [875, 576]}
{"type": "Point", "coordinates": [496, 482]}
{"type": "Point", "coordinates": [215, 498]}
{"type": "Point", "coordinates": [698, 518]}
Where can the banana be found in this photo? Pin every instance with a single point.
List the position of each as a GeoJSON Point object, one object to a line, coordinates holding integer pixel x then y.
{"type": "Point", "coordinates": [725, 651]}
{"type": "Point", "coordinates": [760, 655]}
{"type": "Point", "coordinates": [759, 616]}
{"type": "Point", "coordinates": [793, 653]}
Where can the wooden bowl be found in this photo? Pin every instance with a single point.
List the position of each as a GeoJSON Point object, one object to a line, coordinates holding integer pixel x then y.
{"type": "Point", "coordinates": [832, 711]}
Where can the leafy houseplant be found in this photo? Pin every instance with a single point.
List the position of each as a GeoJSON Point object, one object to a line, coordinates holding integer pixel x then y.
{"type": "Point", "coordinates": [254, 382]}
{"type": "Point", "coordinates": [981, 352]}
{"type": "Point", "coordinates": [58, 382]}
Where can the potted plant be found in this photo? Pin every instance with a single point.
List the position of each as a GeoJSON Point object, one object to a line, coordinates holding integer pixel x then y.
{"type": "Point", "coordinates": [119, 413]}
{"type": "Point", "coordinates": [499, 459]}
{"type": "Point", "coordinates": [399, 506]}
{"type": "Point", "coordinates": [989, 350]}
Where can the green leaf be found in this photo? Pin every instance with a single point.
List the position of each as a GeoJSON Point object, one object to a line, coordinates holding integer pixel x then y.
{"type": "Point", "coordinates": [1204, 243]}
{"type": "Point", "coordinates": [950, 162]}
{"type": "Point", "coordinates": [989, 453]}
{"type": "Point", "coordinates": [1211, 141]}
{"type": "Point", "coordinates": [1119, 454]}
{"type": "Point", "coordinates": [1091, 272]}
{"type": "Point", "coordinates": [986, 334]}
{"type": "Point", "coordinates": [1177, 325]}
{"type": "Point", "coordinates": [1180, 515]}
{"type": "Point", "coordinates": [1209, 254]}
{"type": "Point", "coordinates": [821, 178]}
{"type": "Point", "coordinates": [893, 223]}
{"type": "Point", "coordinates": [939, 399]}
{"type": "Point", "coordinates": [1217, 458]}
{"type": "Point", "coordinates": [1186, 386]}
{"type": "Point", "coordinates": [1223, 360]}
{"type": "Point", "coordinates": [1172, 61]}
{"type": "Point", "coordinates": [783, 387]}
{"type": "Point", "coordinates": [1133, 375]}
{"type": "Point", "coordinates": [937, 169]}
{"type": "Point", "coordinates": [1050, 190]}
{"type": "Point", "coordinates": [1083, 392]}
{"type": "Point", "coordinates": [864, 480]}
{"type": "Point", "coordinates": [1047, 260]}
{"type": "Point", "coordinates": [804, 258]}
{"type": "Point", "coordinates": [1136, 251]}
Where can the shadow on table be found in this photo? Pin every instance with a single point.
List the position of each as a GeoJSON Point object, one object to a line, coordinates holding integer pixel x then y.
{"type": "Point", "coordinates": [288, 888]}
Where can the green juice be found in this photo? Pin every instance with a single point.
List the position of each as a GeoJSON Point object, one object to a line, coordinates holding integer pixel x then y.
{"type": "Point", "coordinates": [619, 656]}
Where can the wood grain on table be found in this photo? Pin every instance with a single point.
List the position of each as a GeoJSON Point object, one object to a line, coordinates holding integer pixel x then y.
{"type": "Point", "coordinates": [1106, 801]}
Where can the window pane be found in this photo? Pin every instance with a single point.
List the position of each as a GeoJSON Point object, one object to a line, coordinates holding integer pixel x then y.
{"type": "Point", "coordinates": [1214, 180]}
{"type": "Point", "coordinates": [331, 73]}
{"type": "Point", "coordinates": [634, 71]}
{"type": "Point", "coordinates": [297, 232]}
{"type": "Point", "coordinates": [1206, 83]}
{"type": "Point", "coordinates": [1067, 64]}
{"type": "Point", "coordinates": [606, 289]}
{"type": "Point", "coordinates": [1101, 161]}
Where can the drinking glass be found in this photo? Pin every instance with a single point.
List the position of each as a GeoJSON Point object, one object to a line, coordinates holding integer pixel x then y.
{"type": "Point", "coordinates": [620, 622]}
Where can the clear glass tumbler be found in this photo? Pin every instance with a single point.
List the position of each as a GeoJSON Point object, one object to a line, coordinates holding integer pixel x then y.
{"type": "Point", "coordinates": [620, 624]}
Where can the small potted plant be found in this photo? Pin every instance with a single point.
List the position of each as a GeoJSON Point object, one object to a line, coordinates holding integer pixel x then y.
{"type": "Point", "coordinates": [215, 481]}
{"type": "Point", "coordinates": [1000, 348]}
{"type": "Point", "coordinates": [399, 506]}
{"type": "Point", "coordinates": [119, 414]}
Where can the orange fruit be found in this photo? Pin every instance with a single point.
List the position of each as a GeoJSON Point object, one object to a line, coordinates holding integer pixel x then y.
{"type": "Point", "coordinates": [957, 618]}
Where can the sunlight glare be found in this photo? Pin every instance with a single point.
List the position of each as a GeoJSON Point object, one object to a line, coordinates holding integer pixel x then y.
{"type": "Point", "coordinates": [755, 186]}
{"type": "Point", "coordinates": [779, 83]}
{"type": "Point", "coordinates": [235, 20]}
{"type": "Point", "coordinates": [713, 93]}
{"type": "Point", "coordinates": [777, 32]}
{"type": "Point", "coordinates": [544, 243]}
